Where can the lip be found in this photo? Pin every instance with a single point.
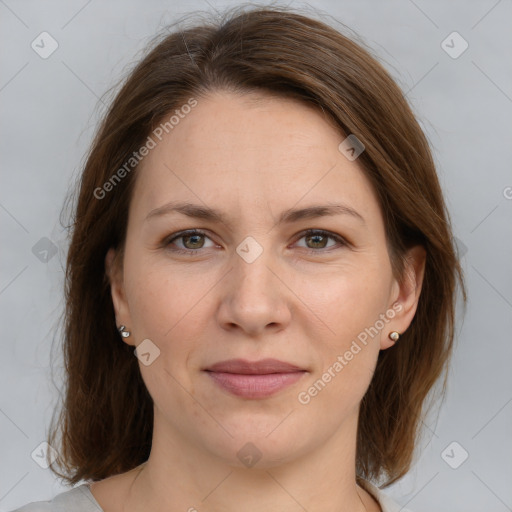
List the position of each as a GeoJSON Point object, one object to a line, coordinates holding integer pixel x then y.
{"type": "Point", "coordinates": [254, 379]}
{"type": "Point", "coordinates": [261, 367]}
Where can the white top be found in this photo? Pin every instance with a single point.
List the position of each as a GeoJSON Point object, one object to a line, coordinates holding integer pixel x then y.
{"type": "Point", "coordinates": [81, 499]}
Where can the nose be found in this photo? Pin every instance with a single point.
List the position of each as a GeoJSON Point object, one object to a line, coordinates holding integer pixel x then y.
{"type": "Point", "coordinates": [255, 298]}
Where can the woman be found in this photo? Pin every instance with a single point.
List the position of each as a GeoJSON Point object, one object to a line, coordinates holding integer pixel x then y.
{"type": "Point", "coordinates": [260, 223]}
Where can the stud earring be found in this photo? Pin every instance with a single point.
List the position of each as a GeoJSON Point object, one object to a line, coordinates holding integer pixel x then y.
{"type": "Point", "coordinates": [393, 335]}
{"type": "Point", "coordinates": [123, 332]}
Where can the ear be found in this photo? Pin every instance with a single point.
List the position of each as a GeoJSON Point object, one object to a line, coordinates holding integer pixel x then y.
{"type": "Point", "coordinates": [114, 273]}
{"type": "Point", "coordinates": [405, 295]}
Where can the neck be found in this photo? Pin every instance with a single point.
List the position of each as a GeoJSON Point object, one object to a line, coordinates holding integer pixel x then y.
{"type": "Point", "coordinates": [182, 476]}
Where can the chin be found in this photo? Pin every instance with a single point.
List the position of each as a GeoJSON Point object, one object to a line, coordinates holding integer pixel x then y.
{"type": "Point", "coordinates": [259, 444]}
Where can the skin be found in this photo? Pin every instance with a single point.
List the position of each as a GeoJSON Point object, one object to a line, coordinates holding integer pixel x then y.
{"type": "Point", "coordinates": [253, 156]}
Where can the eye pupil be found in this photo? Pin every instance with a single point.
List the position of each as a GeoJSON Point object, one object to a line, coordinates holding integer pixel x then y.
{"type": "Point", "coordinates": [186, 237]}
{"type": "Point", "coordinates": [318, 236]}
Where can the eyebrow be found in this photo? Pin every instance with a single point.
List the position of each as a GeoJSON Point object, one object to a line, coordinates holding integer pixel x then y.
{"type": "Point", "coordinates": [287, 217]}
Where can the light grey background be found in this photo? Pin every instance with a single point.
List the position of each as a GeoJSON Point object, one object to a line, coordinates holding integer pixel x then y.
{"type": "Point", "coordinates": [49, 108]}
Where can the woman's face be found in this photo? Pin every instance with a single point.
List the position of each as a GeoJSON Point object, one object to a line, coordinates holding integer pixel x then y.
{"type": "Point", "coordinates": [254, 287]}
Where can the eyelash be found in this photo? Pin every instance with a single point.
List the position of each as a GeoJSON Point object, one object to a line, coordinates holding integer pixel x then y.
{"type": "Point", "coordinates": [308, 232]}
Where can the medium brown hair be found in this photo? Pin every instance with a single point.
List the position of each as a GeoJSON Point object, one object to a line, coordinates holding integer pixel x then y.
{"type": "Point", "coordinates": [106, 420]}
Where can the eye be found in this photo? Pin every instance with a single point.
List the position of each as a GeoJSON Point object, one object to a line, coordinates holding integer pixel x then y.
{"type": "Point", "coordinates": [318, 238]}
{"type": "Point", "coordinates": [193, 240]}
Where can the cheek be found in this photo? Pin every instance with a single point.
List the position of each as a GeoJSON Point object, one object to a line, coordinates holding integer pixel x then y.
{"type": "Point", "coordinates": [348, 300]}
{"type": "Point", "coordinates": [160, 295]}
{"type": "Point", "coordinates": [154, 305]}
{"type": "Point", "coordinates": [350, 306]}
{"type": "Point", "coordinates": [346, 357]}
{"type": "Point", "coordinates": [164, 310]}
{"type": "Point", "coordinates": [163, 306]}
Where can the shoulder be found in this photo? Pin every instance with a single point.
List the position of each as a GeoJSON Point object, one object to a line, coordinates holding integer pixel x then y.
{"type": "Point", "coordinates": [387, 504]}
{"type": "Point", "coordinates": [78, 499]}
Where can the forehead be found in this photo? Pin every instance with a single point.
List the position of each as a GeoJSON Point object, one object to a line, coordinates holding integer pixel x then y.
{"type": "Point", "coordinates": [250, 150]}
